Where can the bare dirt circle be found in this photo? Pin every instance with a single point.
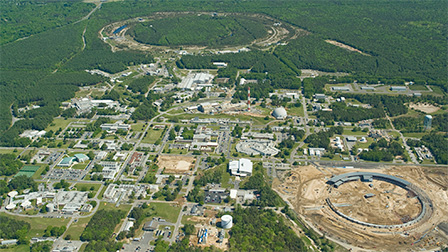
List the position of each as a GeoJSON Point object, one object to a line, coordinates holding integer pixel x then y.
{"type": "Point", "coordinates": [376, 202]}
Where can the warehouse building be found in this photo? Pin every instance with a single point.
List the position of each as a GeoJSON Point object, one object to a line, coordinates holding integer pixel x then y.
{"type": "Point", "coordinates": [242, 167]}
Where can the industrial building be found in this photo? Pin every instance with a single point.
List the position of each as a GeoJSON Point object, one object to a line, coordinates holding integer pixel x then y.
{"type": "Point", "coordinates": [368, 88]}
{"type": "Point", "coordinates": [345, 88]}
{"type": "Point", "coordinates": [112, 127]}
{"type": "Point", "coordinates": [257, 147]}
{"type": "Point", "coordinates": [85, 105]}
{"type": "Point", "coordinates": [398, 88]}
{"type": "Point", "coordinates": [242, 167]}
{"type": "Point", "coordinates": [279, 113]}
{"type": "Point", "coordinates": [196, 81]}
{"type": "Point", "coordinates": [319, 96]}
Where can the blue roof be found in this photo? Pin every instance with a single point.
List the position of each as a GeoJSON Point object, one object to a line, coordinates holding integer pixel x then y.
{"type": "Point", "coordinates": [67, 160]}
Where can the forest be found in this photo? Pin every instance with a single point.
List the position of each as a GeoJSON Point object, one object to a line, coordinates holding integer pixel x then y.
{"type": "Point", "coordinates": [13, 229]}
{"type": "Point", "coordinates": [203, 30]}
{"type": "Point", "coordinates": [382, 150]}
{"type": "Point", "coordinates": [102, 225]}
{"type": "Point", "coordinates": [343, 113]}
{"type": "Point", "coordinates": [9, 165]}
{"type": "Point", "coordinates": [262, 230]}
{"type": "Point", "coordinates": [391, 35]}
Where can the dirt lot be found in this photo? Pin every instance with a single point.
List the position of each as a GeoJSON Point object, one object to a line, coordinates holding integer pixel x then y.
{"type": "Point", "coordinates": [307, 190]}
{"type": "Point", "coordinates": [212, 238]}
{"type": "Point", "coordinates": [344, 46]}
{"type": "Point", "coordinates": [176, 164]}
{"type": "Point", "coordinates": [423, 107]}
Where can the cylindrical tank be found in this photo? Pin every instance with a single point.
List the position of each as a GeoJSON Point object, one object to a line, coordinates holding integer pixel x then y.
{"type": "Point", "coordinates": [226, 221]}
{"type": "Point", "coordinates": [50, 207]}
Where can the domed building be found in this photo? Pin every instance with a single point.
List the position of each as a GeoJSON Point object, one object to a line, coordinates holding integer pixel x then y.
{"type": "Point", "coordinates": [279, 113]}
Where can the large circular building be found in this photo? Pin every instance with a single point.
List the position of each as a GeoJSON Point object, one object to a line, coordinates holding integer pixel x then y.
{"type": "Point", "coordinates": [279, 113]}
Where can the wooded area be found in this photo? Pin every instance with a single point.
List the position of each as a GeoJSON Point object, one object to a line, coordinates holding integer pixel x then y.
{"type": "Point", "coordinates": [203, 30]}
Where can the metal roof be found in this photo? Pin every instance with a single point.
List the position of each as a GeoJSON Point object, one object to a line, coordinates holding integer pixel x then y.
{"type": "Point", "coordinates": [353, 175]}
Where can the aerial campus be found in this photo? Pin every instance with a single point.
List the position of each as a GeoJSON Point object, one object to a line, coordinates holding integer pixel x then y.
{"type": "Point", "coordinates": [223, 126]}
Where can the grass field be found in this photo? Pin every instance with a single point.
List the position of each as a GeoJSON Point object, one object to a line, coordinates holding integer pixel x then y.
{"type": "Point", "coordinates": [349, 132]}
{"type": "Point", "coordinates": [76, 228]}
{"type": "Point", "coordinates": [138, 127]}
{"type": "Point", "coordinates": [86, 187]}
{"type": "Point", "coordinates": [100, 196]}
{"type": "Point", "coordinates": [437, 90]}
{"type": "Point", "coordinates": [18, 248]}
{"type": "Point", "coordinates": [418, 87]}
{"type": "Point", "coordinates": [9, 151]}
{"type": "Point", "coordinates": [39, 172]}
{"type": "Point", "coordinates": [296, 111]}
{"type": "Point", "coordinates": [166, 211]}
{"type": "Point", "coordinates": [80, 166]}
{"type": "Point", "coordinates": [38, 224]}
{"type": "Point", "coordinates": [415, 134]}
{"type": "Point", "coordinates": [152, 136]}
{"type": "Point", "coordinates": [59, 123]}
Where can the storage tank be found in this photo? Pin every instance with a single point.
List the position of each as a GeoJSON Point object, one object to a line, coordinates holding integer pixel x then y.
{"type": "Point", "coordinates": [50, 207]}
{"type": "Point", "coordinates": [226, 221]}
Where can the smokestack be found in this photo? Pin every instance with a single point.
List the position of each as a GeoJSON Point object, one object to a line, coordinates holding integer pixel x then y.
{"type": "Point", "coordinates": [248, 99]}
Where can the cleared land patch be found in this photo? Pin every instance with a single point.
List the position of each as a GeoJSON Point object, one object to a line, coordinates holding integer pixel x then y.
{"type": "Point", "coordinates": [176, 164]}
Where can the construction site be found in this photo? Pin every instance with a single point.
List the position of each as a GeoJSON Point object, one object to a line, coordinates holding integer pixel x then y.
{"type": "Point", "coordinates": [405, 207]}
{"type": "Point", "coordinates": [176, 164]}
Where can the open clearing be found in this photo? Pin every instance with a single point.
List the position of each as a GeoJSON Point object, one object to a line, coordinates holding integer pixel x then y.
{"type": "Point", "coordinates": [176, 164]}
{"type": "Point", "coordinates": [307, 190]}
{"type": "Point", "coordinates": [344, 46]}
{"type": "Point", "coordinates": [424, 107]}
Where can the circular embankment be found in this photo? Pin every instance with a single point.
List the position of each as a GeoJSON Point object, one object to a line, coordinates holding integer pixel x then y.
{"type": "Point", "coordinates": [368, 177]}
{"type": "Point", "coordinates": [168, 31]}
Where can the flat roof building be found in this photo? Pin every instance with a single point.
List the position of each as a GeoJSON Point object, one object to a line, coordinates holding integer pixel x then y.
{"type": "Point", "coordinates": [340, 88]}
{"type": "Point", "coordinates": [242, 167]}
{"type": "Point", "coordinates": [398, 88]}
{"type": "Point", "coordinates": [67, 161]}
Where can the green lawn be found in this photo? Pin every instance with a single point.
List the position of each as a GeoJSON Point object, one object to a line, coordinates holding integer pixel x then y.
{"type": "Point", "coordinates": [80, 166]}
{"type": "Point", "coordinates": [152, 136]}
{"type": "Point", "coordinates": [9, 151]}
{"type": "Point", "coordinates": [86, 187]}
{"type": "Point", "coordinates": [39, 224]}
{"type": "Point", "coordinates": [415, 134]}
{"type": "Point", "coordinates": [59, 123]}
{"type": "Point", "coordinates": [138, 127]}
{"type": "Point", "coordinates": [18, 248]}
{"type": "Point", "coordinates": [349, 132]}
{"type": "Point", "coordinates": [166, 211]}
{"type": "Point", "coordinates": [166, 149]}
{"type": "Point", "coordinates": [76, 228]}
{"type": "Point", "coordinates": [437, 90]}
{"type": "Point", "coordinates": [111, 206]}
{"type": "Point", "coordinates": [418, 87]}
{"type": "Point", "coordinates": [36, 175]}
{"type": "Point", "coordinates": [100, 196]}
{"type": "Point", "coordinates": [296, 111]}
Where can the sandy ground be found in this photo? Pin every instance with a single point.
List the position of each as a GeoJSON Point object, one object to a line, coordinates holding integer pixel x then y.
{"type": "Point", "coordinates": [176, 164]}
{"type": "Point", "coordinates": [344, 46]}
{"type": "Point", "coordinates": [306, 189]}
{"type": "Point", "coordinates": [423, 107]}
